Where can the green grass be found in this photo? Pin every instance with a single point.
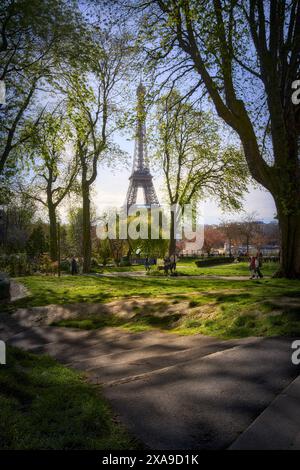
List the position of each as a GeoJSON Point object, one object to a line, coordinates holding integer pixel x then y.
{"type": "Point", "coordinates": [243, 315]}
{"type": "Point", "coordinates": [70, 289]}
{"type": "Point", "coordinates": [187, 267]}
{"type": "Point", "coordinates": [45, 405]}
{"type": "Point", "coordinates": [139, 322]}
{"type": "Point", "coordinates": [217, 307]}
{"type": "Point", "coordinates": [118, 269]}
{"type": "Point", "coordinates": [237, 316]}
{"type": "Point", "coordinates": [232, 269]}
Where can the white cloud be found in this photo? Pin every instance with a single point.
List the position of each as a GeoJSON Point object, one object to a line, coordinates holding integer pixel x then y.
{"type": "Point", "coordinates": [110, 190]}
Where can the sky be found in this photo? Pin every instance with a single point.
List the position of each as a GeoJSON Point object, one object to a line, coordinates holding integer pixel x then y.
{"type": "Point", "coordinates": [111, 186]}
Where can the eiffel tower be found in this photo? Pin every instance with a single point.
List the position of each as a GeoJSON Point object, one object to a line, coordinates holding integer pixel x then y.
{"type": "Point", "coordinates": [141, 176]}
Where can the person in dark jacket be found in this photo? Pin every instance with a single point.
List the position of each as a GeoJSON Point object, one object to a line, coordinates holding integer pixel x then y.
{"type": "Point", "coordinates": [74, 266]}
{"type": "Point", "coordinates": [258, 264]}
{"type": "Point", "coordinates": [147, 265]}
{"type": "Point", "coordinates": [252, 267]}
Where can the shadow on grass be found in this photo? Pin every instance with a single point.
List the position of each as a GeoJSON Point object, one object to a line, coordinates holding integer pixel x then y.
{"type": "Point", "coordinates": [232, 297]}
{"type": "Point", "coordinates": [136, 323]}
{"type": "Point", "coordinates": [45, 405]}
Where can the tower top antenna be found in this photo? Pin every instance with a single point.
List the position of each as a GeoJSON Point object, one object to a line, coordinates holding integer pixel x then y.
{"type": "Point", "coordinates": [141, 176]}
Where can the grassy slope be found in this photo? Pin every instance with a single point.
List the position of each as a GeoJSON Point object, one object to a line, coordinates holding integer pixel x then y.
{"type": "Point", "coordinates": [220, 307]}
{"type": "Point", "coordinates": [52, 290]}
{"type": "Point", "coordinates": [45, 405]}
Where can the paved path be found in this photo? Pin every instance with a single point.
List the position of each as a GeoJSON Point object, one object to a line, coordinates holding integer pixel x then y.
{"type": "Point", "coordinates": [137, 274]}
{"type": "Point", "coordinates": [277, 428]}
{"type": "Point", "coordinates": [172, 392]}
{"type": "Point", "coordinates": [207, 402]}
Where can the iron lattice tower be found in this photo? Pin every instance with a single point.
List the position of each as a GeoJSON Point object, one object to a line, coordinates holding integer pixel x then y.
{"type": "Point", "coordinates": [141, 176]}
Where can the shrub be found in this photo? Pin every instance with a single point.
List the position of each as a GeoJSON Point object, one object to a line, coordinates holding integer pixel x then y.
{"type": "Point", "coordinates": [48, 266]}
{"type": "Point", "coordinates": [16, 264]}
{"type": "Point", "coordinates": [125, 261]}
{"type": "Point", "coordinates": [65, 265]}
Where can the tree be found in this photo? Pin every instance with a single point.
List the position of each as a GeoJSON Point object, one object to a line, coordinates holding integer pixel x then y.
{"type": "Point", "coordinates": [195, 165]}
{"type": "Point", "coordinates": [15, 223]}
{"type": "Point", "coordinates": [148, 245]}
{"type": "Point", "coordinates": [74, 231]}
{"type": "Point", "coordinates": [55, 172]}
{"type": "Point", "coordinates": [271, 233]}
{"type": "Point", "coordinates": [213, 238]}
{"type": "Point", "coordinates": [260, 239]}
{"type": "Point", "coordinates": [31, 46]}
{"type": "Point", "coordinates": [118, 248]}
{"type": "Point", "coordinates": [92, 107]}
{"type": "Point", "coordinates": [103, 250]}
{"type": "Point", "coordinates": [36, 243]}
{"type": "Point", "coordinates": [65, 246]}
{"type": "Point", "coordinates": [230, 230]}
{"type": "Point", "coordinates": [248, 229]}
{"type": "Point", "coordinates": [242, 50]}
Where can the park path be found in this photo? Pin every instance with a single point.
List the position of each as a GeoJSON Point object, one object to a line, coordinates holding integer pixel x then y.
{"type": "Point", "coordinates": [138, 274]}
{"type": "Point", "coordinates": [172, 392]}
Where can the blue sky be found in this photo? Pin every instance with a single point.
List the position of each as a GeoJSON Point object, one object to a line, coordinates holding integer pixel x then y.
{"type": "Point", "coordinates": [111, 186]}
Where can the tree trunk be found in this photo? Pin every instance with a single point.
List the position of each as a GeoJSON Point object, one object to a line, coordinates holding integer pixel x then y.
{"type": "Point", "coordinates": [290, 246]}
{"type": "Point", "coordinates": [172, 242]}
{"type": "Point", "coordinates": [86, 229]}
{"type": "Point", "coordinates": [53, 232]}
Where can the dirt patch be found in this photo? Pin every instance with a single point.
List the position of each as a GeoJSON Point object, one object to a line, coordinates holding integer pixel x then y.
{"type": "Point", "coordinates": [125, 309]}
{"type": "Point", "coordinates": [17, 291]}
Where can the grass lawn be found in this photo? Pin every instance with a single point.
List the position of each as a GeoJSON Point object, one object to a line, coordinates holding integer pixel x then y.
{"type": "Point", "coordinates": [217, 307]}
{"type": "Point", "coordinates": [232, 269]}
{"type": "Point", "coordinates": [186, 267]}
{"type": "Point", "coordinates": [45, 405]}
{"type": "Point", "coordinates": [121, 269]}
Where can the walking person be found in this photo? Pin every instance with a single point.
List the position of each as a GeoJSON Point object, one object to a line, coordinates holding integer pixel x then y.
{"type": "Point", "coordinates": [252, 267]}
{"type": "Point", "coordinates": [167, 263]}
{"type": "Point", "coordinates": [173, 265]}
{"type": "Point", "coordinates": [147, 265]}
{"type": "Point", "coordinates": [74, 266]}
{"type": "Point", "coordinates": [258, 264]}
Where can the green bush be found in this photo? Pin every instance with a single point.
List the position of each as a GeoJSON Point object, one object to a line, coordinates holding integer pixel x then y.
{"type": "Point", "coordinates": [16, 264]}
{"type": "Point", "coordinates": [214, 261]}
{"type": "Point", "coordinates": [46, 265]}
{"type": "Point", "coordinates": [125, 261]}
{"type": "Point", "coordinates": [65, 265]}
